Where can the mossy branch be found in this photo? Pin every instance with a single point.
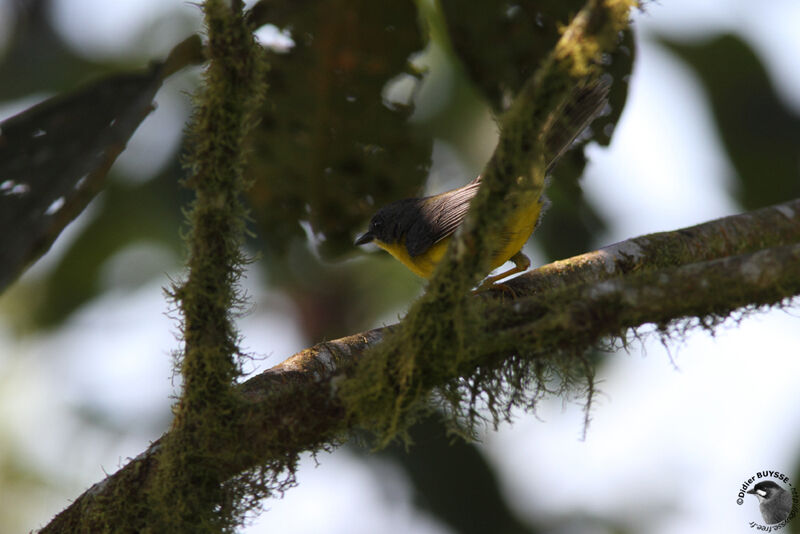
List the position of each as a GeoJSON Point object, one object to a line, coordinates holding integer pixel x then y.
{"type": "Point", "coordinates": [514, 176]}
{"type": "Point", "coordinates": [233, 444]}
{"type": "Point", "coordinates": [564, 308]}
{"type": "Point", "coordinates": [192, 492]}
{"type": "Point", "coordinates": [434, 340]}
{"type": "Point", "coordinates": [772, 226]}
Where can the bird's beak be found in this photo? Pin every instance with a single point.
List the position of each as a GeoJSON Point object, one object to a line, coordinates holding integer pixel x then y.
{"type": "Point", "coordinates": [750, 491]}
{"type": "Point", "coordinates": [364, 239]}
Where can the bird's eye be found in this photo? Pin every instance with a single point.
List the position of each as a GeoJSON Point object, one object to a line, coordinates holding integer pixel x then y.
{"type": "Point", "coordinates": [376, 224]}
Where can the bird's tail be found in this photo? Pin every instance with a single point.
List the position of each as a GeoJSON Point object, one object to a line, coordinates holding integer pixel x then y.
{"type": "Point", "coordinates": [570, 119]}
{"type": "Point", "coordinates": [576, 113]}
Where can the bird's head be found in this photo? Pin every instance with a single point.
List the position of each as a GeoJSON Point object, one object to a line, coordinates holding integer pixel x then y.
{"type": "Point", "coordinates": [391, 223]}
{"type": "Point", "coordinates": [765, 490]}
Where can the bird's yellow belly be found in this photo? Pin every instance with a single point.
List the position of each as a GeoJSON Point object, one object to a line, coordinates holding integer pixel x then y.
{"type": "Point", "coordinates": [516, 235]}
{"type": "Point", "coordinates": [422, 265]}
{"type": "Point", "coordinates": [512, 239]}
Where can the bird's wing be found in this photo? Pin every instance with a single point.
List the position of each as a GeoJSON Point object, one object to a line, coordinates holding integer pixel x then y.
{"type": "Point", "coordinates": [451, 210]}
{"type": "Point", "coordinates": [439, 216]}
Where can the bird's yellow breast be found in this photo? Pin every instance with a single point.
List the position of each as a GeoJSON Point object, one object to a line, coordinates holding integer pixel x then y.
{"type": "Point", "coordinates": [422, 265]}
{"type": "Point", "coordinates": [512, 239]}
{"type": "Point", "coordinates": [516, 234]}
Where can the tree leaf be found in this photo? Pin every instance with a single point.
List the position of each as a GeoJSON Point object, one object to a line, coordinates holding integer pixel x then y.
{"type": "Point", "coordinates": [760, 133]}
{"type": "Point", "coordinates": [330, 149]}
{"type": "Point", "coordinates": [54, 158]}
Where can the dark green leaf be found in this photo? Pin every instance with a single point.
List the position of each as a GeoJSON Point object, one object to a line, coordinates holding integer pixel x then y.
{"type": "Point", "coordinates": [330, 149]}
{"type": "Point", "coordinates": [759, 132]}
{"type": "Point", "coordinates": [54, 158]}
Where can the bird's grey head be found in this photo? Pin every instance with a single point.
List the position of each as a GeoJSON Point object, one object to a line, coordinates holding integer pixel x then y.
{"type": "Point", "coordinates": [765, 490]}
{"type": "Point", "coordinates": [391, 223]}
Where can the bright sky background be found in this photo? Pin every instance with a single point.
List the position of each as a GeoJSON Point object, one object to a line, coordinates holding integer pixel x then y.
{"type": "Point", "coordinates": [677, 442]}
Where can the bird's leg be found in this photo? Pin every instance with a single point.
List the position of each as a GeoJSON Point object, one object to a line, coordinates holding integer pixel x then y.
{"type": "Point", "coordinates": [521, 263]}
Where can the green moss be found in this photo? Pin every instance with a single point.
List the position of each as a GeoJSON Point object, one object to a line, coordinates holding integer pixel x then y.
{"type": "Point", "coordinates": [191, 492]}
{"type": "Point", "coordinates": [437, 341]}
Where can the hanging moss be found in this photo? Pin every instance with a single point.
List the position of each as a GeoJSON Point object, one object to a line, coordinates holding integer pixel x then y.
{"type": "Point", "coordinates": [191, 493]}
{"type": "Point", "coordinates": [436, 340]}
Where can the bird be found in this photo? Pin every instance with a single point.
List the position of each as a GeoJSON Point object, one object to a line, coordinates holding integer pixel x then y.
{"type": "Point", "coordinates": [775, 502]}
{"type": "Point", "coordinates": [416, 231]}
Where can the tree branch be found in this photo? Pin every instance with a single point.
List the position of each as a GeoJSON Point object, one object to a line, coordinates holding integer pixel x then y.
{"type": "Point", "coordinates": [705, 271]}
{"type": "Point", "coordinates": [738, 234]}
{"type": "Point", "coordinates": [433, 340]}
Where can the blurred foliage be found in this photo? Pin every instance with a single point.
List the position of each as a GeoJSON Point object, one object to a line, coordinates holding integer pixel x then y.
{"type": "Point", "coordinates": [127, 214]}
{"type": "Point", "coordinates": [24, 486]}
{"type": "Point", "coordinates": [572, 224]}
{"type": "Point", "coordinates": [500, 45]}
{"type": "Point", "coordinates": [54, 158]}
{"type": "Point", "coordinates": [330, 148]}
{"type": "Point", "coordinates": [35, 58]}
{"type": "Point", "coordinates": [760, 133]}
{"type": "Point", "coordinates": [454, 481]}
